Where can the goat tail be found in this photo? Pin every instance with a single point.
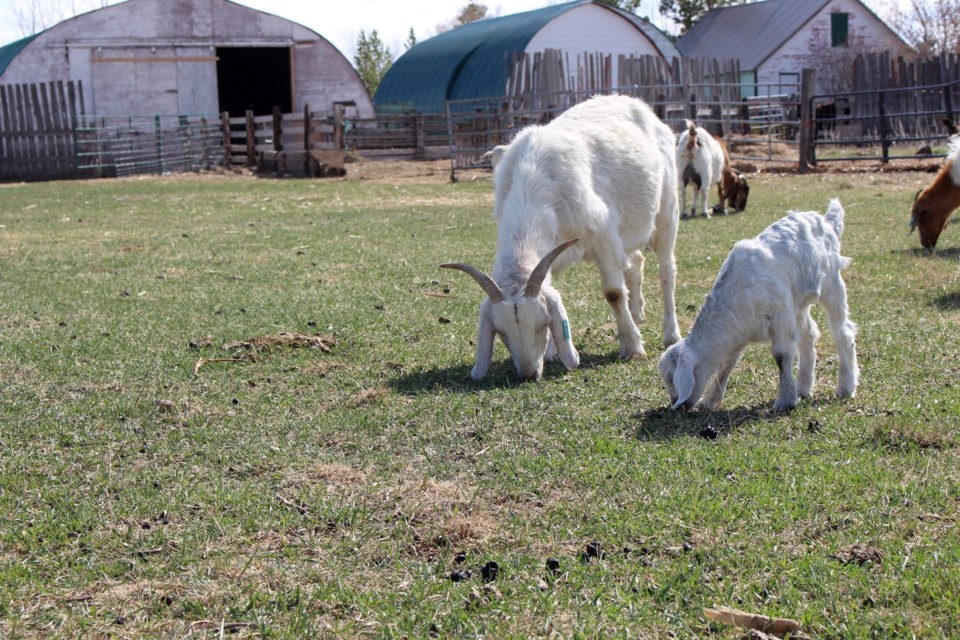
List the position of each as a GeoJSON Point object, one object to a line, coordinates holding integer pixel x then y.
{"type": "Point", "coordinates": [835, 216]}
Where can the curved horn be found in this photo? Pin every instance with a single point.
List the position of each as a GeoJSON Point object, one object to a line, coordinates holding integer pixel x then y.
{"type": "Point", "coordinates": [486, 282]}
{"type": "Point", "coordinates": [543, 268]}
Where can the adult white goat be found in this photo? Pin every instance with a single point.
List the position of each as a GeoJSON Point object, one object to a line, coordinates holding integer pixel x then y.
{"type": "Point", "coordinates": [763, 293]}
{"type": "Point", "coordinates": [598, 183]}
{"type": "Point", "coordinates": [700, 165]}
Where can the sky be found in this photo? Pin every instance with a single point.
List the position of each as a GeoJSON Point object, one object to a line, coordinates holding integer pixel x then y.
{"type": "Point", "coordinates": [339, 21]}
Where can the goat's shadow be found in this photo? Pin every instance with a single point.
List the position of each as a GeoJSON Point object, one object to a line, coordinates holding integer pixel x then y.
{"type": "Point", "coordinates": [663, 423]}
{"type": "Point", "coordinates": [500, 375]}
{"type": "Point", "coordinates": [951, 253]}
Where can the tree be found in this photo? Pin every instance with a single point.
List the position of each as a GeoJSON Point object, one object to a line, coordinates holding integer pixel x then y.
{"type": "Point", "coordinates": [411, 40]}
{"type": "Point", "coordinates": [372, 59]}
{"type": "Point", "coordinates": [687, 12]}
{"type": "Point", "coordinates": [470, 12]}
{"type": "Point", "coordinates": [932, 27]}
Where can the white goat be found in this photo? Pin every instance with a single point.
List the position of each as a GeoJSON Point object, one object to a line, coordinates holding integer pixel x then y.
{"type": "Point", "coordinates": [700, 164]}
{"type": "Point", "coordinates": [598, 183]}
{"type": "Point", "coordinates": [763, 293]}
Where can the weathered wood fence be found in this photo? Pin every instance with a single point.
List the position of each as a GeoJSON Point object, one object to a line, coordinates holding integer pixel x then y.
{"type": "Point", "coordinates": [36, 130]}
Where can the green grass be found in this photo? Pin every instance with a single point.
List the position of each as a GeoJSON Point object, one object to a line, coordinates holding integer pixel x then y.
{"type": "Point", "coordinates": [297, 493]}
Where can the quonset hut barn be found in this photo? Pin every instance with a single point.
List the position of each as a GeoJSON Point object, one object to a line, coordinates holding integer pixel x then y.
{"type": "Point", "coordinates": [145, 57]}
{"type": "Point", "coordinates": [476, 59]}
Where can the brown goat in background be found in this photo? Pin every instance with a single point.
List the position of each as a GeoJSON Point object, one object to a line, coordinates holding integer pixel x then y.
{"type": "Point", "coordinates": [933, 206]}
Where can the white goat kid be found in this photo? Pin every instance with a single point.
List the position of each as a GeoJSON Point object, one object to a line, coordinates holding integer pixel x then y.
{"type": "Point", "coordinates": [763, 293]}
{"type": "Point", "coordinates": [700, 165]}
{"type": "Point", "coordinates": [598, 183]}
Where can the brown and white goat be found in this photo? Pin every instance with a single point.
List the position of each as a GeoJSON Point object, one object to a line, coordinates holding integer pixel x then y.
{"type": "Point", "coordinates": [933, 206]}
{"type": "Point", "coordinates": [732, 188]}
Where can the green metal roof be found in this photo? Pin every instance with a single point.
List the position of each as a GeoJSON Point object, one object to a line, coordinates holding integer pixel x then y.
{"type": "Point", "coordinates": [10, 51]}
{"type": "Point", "coordinates": [463, 63]}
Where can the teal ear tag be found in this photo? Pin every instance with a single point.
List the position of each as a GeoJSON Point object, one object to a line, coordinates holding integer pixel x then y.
{"type": "Point", "coordinates": [566, 330]}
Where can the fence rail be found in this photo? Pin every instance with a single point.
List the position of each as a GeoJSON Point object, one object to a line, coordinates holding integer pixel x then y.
{"type": "Point", "coordinates": [44, 132]}
{"type": "Point", "coordinates": [110, 146]}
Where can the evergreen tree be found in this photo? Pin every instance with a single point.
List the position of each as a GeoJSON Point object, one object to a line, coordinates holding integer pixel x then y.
{"type": "Point", "coordinates": [411, 40]}
{"type": "Point", "coordinates": [372, 59]}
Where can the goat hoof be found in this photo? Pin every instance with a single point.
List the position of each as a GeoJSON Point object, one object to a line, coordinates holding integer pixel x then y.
{"type": "Point", "coordinates": [785, 407]}
{"type": "Point", "coordinates": [633, 354]}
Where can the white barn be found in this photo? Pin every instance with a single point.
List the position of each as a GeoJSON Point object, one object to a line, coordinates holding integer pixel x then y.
{"type": "Point", "coordinates": [194, 57]}
{"type": "Point", "coordinates": [775, 40]}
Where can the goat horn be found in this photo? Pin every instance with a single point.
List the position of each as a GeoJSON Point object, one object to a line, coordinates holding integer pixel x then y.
{"type": "Point", "coordinates": [486, 282]}
{"type": "Point", "coordinates": [540, 272]}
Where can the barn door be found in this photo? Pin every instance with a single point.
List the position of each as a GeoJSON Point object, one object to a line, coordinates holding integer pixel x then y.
{"type": "Point", "coordinates": [254, 78]}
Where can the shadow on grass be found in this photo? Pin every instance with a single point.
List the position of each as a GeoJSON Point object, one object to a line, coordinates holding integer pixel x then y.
{"type": "Point", "coordinates": [501, 375]}
{"type": "Point", "coordinates": [952, 253]}
{"type": "Point", "coordinates": [663, 423]}
{"type": "Point", "coordinates": [660, 424]}
{"type": "Point", "coordinates": [948, 301]}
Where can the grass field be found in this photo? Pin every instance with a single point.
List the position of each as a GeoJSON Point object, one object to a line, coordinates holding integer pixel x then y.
{"type": "Point", "coordinates": [235, 407]}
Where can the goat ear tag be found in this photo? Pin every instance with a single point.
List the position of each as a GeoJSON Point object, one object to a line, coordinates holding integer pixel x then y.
{"type": "Point", "coordinates": [566, 330]}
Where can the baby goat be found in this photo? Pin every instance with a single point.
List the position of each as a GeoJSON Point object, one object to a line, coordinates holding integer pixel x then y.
{"type": "Point", "coordinates": [598, 183]}
{"type": "Point", "coordinates": [763, 293]}
{"type": "Point", "coordinates": [934, 205]}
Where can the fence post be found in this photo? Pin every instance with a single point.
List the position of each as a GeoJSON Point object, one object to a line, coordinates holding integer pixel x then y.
{"type": "Point", "coordinates": [277, 129]}
{"type": "Point", "coordinates": [807, 83]}
{"type": "Point", "coordinates": [339, 133]}
{"type": "Point", "coordinates": [884, 140]}
{"type": "Point", "coordinates": [307, 133]}
{"type": "Point", "coordinates": [159, 133]}
{"type": "Point", "coordinates": [692, 107]}
{"type": "Point", "coordinates": [251, 140]}
{"type": "Point", "coordinates": [225, 128]}
{"type": "Point", "coordinates": [421, 131]}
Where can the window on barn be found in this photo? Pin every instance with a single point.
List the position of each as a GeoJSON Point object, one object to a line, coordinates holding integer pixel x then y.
{"type": "Point", "coordinates": [839, 28]}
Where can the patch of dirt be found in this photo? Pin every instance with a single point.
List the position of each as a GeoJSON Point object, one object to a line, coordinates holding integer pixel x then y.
{"type": "Point", "coordinates": [859, 554]}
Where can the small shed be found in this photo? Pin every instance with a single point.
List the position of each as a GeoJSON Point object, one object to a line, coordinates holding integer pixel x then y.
{"type": "Point", "coordinates": [145, 57]}
{"type": "Point", "coordinates": [774, 40]}
{"type": "Point", "coordinates": [476, 60]}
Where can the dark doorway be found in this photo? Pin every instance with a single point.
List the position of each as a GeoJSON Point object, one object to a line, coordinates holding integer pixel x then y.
{"type": "Point", "coordinates": [254, 78]}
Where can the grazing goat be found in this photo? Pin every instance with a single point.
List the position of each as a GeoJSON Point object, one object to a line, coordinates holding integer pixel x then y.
{"type": "Point", "coordinates": [763, 293]}
{"type": "Point", "coordinates": [598, 183]}
{"type": "Point", "coordinates": [732, 187]}
{"type": "Point", "coordinates": [933, 206]}
{"type": "Point", "coordinates": [702, 162]}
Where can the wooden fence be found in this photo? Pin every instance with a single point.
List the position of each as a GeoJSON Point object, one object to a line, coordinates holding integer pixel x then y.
{"type": "Point", "coordinates": [36, 130]}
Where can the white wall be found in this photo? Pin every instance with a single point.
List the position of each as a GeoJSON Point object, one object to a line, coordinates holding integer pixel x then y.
{"type": "Point", "coordinates": [591, 29]}
{"type": "Point", "coordinates": [811, 47]}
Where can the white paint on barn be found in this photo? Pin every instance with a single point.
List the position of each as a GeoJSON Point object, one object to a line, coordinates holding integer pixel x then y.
{"type": "Point", "coordinates": [811, 47]}
{"type": "Point", "coordinates": [145, 57]}
{"type": "Point", "coordinates": [576, 31]}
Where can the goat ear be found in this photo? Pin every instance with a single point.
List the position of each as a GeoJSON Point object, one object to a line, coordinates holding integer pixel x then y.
{"type": "Point", "coordinates": [485, 335]}
{"type": "Point", "coordinates": [560, 330]}
{"type": "Point", "coordinates": [683, 381]}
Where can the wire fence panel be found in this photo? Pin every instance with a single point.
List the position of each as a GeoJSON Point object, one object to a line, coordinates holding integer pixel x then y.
{"type": "Point", "coordinates": [761, 128]}
{"type": "Point", "coordinates": [109, 146]}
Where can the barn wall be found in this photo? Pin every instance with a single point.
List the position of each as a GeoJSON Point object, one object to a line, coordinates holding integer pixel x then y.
{"type": "Point", "coordinates": [811, 47]}
{"type": "Point", "coordinates": [576, 32]}
{"type": "Point", "coordinates": [145, 57]}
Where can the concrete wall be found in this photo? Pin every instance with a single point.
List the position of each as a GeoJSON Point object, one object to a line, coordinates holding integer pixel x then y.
{"type": "Point", "coordinates": [144, 57]}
